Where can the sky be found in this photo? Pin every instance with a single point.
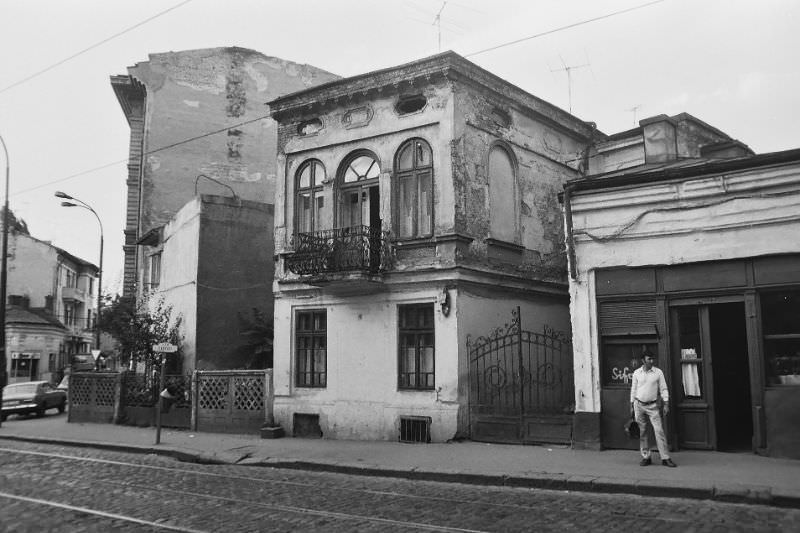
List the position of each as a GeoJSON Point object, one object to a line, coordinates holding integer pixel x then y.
{"type": "Point", "coordinates": [734, 64]}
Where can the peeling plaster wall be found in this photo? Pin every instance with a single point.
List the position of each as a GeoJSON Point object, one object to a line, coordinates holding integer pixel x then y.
{"type": "Point", "coordinates": [194, 92]}
{"type": "Point", "coordinates": [546, 158]}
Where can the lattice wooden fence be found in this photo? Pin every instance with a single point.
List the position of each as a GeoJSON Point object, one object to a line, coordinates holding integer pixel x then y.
{"type": "Point", "coordinates": [234, 401]}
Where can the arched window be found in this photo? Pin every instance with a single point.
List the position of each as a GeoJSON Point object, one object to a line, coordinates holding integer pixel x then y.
{"type": "Point", "coordinates": [359, 198]}
{"type": "Point", "coordinates": [308, 198]}
{"type": "Point", "coordinates": [414, 186]}
{"type": "Point", "coordinates": [502, 193]}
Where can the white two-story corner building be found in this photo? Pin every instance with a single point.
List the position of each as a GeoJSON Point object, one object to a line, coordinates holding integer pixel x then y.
{"type": "Point", "coordinates": [416, 211]}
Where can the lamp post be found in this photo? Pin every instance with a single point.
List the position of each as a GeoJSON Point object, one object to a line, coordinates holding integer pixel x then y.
{"type": "Point", "coordinates": [4, 281]}
{"type": "Point", "coordinates": [81, 203]}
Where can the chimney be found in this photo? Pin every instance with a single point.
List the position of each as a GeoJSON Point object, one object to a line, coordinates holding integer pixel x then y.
{"type": "Point", "coordinates": [660, 135]}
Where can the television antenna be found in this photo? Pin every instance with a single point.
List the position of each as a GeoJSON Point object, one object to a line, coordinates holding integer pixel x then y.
{"type": "Point", "coordinates": [437, 21]}
{"type": "Point", "coordinates": [634, 109]}
{"type": "Point", "coordinates": [568, 69]}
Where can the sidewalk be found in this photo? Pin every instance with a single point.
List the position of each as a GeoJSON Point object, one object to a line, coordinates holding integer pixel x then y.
{"type": "Point", "coordinates": [734, 477]}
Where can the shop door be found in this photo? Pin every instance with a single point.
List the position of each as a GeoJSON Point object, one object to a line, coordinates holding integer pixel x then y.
{"type": "Point", "coordinates": [711, 378]}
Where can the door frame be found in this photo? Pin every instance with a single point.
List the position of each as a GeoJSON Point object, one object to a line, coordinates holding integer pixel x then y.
{"type": "Point", "coordinates": [703, 303]}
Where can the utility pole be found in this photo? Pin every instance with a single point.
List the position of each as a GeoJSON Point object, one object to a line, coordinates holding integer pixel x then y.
{"type": "Point", "coordinates": [568, 70]}
{"type": "Point", "coordinates": [437, 21]}
{"type": "Point", "coordinates": [4, 281]}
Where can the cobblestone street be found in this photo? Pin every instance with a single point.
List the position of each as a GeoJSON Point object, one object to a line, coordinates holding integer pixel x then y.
{"type": "Point", "coordinates": [50, 488]}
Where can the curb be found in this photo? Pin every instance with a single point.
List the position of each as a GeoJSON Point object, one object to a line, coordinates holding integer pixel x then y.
{"type": "Point", "coordinates": [559, 482]}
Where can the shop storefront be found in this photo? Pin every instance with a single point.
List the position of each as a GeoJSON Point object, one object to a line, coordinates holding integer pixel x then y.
{"type": "Point", "coordinates": [727, 335]}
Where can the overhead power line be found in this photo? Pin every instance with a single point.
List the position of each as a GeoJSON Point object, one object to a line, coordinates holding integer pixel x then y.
{"type": "Point", "coordinates": [562, 28]}
{"type": "Point", "coordinates": [149, 152]}
{"type": "Point", "coordinates": [95, 45]}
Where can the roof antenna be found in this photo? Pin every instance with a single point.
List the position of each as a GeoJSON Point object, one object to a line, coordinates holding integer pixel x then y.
{"type": "Point", "coordinates": [634, 109]}
{"type": "Point", "coordinates": [437, 21]}
{"type": "Point", "coordinates": [568, 70]}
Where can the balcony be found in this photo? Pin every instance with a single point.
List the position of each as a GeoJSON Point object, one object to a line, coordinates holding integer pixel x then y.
{"type": "Point", "coordinates": [74, 294]}
{"type": "Point", "coordinates": [341, 252]}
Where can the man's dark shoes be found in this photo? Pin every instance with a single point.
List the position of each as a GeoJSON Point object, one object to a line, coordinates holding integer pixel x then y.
{"type": "Point", "coordinates": [645, 462]}
{"type": "Point", "coordinates": [668, 462]}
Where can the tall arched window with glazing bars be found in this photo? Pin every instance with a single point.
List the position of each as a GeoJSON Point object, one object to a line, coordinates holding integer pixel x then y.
{"type": "Point", "coordinates": [414, 190]}
{"type": "Point", "coordinates": [309, 201]}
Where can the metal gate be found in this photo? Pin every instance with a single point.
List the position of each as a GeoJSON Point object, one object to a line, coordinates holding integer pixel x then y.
{"type": "Point", "coordinates": [521, 385]}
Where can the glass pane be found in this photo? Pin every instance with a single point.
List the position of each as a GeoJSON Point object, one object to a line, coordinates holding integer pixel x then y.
{"type": "Point", "coordinates": [423, 154]}
{"type": "Point", "coordinates": [305, 177]}
{"type": "Point", "coordinates": [424, 226]}
{"type": "Point", "coordinates": [691, 374]}
{"type": "Point", "coordinates": [304, 215]}
{"type": "Point", "coordinates": [405, 209]}
{"type": "Point", "coordinates": [781, 313]}
{"type": "Point", "coordinates": [319, 173]}
{"type": "Point", "coordinates": [426, 357]}
{"type": "Point", "coordinates": [362, 167]}
{"type": "Point", "coordinates": [405, 161]}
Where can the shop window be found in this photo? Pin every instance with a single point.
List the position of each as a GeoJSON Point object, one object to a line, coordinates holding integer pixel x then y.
{"type": "Point", "coordinates": [414, 185]}
{"type": "Point", "coordinates": [621, 357]}
{"type": "Point", "coordinates": [780, 320]}
{"type": "Point", "coordinates": [311, 352]}
{"type": "Point", "coordinates": [308, 199]}
{"type": "Point", "coordinates": [416, 347]}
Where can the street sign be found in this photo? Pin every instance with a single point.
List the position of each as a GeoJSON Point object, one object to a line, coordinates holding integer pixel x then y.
{"type": "Point", "coordinates": [95, 354]}
{"type": "Point", "coordinates": [164, 347]}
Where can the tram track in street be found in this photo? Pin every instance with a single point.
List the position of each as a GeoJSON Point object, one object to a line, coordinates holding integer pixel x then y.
{"type": "Point", "coordinates": [196, 497]}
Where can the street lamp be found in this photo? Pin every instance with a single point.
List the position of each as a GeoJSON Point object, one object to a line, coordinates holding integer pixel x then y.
{"type": "Point", "coordinates": [4, 281]}
{"type": "Point", "coordinates": [84, 205]}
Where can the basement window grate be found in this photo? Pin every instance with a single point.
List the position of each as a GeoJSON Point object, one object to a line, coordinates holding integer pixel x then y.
{"type": "Point", "coordinates": [415, 429]}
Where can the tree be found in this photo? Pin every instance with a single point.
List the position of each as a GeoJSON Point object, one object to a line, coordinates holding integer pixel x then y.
{"type": "Point", "coordinates": [256, 333]}
{"type": "Point", "coordinates": [137, 325]}
{"type": "Point", "coordinates": [14, 224]}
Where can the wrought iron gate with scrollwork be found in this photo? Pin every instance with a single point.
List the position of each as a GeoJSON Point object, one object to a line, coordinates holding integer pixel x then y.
{"type": "Point", "coordinates": [521, 385]}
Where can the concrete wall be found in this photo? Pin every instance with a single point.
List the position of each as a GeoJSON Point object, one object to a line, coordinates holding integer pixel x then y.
{"type": "Point", "coordinates": [235, 272]}
{"type": "Point", "coordinates": [179, 269]}
{"type": "Point", "coordinates": [545, 157]}
{"type": "Point", "coordinates": [31, 268]}
{"type": "Point", "coordinates": [362, 400]}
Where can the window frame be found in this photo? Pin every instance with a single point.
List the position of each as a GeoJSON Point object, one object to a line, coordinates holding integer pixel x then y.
{"type": "Point", "coordinates": [778, 340]}
{"type": "Point", "coordinates": [418, 333]}
{"type": "Point", "coordinates": [315, 190]}
{"type": "Point", "coordinates": [300, 380]}
{"type": "Point", "coordinates": [415, 173]}
{"type": "Point", "coordinates": [360, 185]}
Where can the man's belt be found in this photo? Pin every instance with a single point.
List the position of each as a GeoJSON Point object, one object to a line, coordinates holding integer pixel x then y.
{"type": "Point", "coordinates": [645, 403]}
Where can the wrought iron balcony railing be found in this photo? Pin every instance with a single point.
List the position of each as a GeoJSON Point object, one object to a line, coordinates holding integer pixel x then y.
{"type": "Point", "coordinates": [358, 248]}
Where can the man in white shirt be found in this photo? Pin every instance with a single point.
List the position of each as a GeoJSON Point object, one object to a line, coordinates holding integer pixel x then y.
{"type": "Point", "coordinates": [647, 383]}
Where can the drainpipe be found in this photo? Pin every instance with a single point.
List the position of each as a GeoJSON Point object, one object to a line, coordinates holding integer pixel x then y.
{"type": "Point", "coordinates": [573, 269]}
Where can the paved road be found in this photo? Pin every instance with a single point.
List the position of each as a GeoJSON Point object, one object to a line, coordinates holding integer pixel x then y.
{"type": "Point", "coordinates": [52, 488]}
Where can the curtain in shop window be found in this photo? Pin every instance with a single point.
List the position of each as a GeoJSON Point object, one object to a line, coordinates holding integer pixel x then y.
{"type": "Point", "coordinates": [689, 373]}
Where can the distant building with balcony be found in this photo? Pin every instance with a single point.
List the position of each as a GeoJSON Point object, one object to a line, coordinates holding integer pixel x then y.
{"type": "Point", "coordinates": [416, 213]}
{"type": "Point", "coordinates": [52, 299]}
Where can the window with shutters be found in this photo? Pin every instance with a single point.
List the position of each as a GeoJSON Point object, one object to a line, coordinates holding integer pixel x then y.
{"type": "Point", "coordinates": [414, 190]}
{"type": "Point", "coordinates": [627, 329]}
